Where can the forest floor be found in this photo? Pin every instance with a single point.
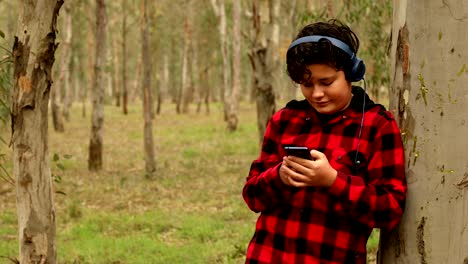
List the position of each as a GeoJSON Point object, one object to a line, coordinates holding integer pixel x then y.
{"type": "Point", "coordinates": [192, 211]}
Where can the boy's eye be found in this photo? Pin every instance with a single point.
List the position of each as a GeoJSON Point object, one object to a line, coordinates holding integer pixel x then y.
{"type": "Point", "coordinates": [327, 83]}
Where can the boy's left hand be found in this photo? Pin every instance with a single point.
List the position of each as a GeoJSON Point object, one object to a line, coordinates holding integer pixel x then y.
{"type": "Point", "coordinates": [299, 172]}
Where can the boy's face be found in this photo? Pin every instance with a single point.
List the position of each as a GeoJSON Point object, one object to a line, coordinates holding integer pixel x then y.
{"type": "Point", "coordinates": [327, 89]}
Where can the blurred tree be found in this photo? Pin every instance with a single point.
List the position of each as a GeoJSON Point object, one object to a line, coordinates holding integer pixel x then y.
{"type": "Point", "coordinates": [57, 118]}
{"type": "Point", "coordinates": [33, 53]}
{"type": "Point", "coordinates": [114, 38]}
{"type": "Point", "coordinates": [60, 93]}
{"type": "Point", "coordinates": [97, 114]}
{"type": "Point", "coordinates": [428, 98]}
{"type": "Point", "coordinates": [124, 58]}
{"type": "Point", "coordinates": [233, 98]}
{"type": "Point", "coordinates": [186, 92]}
{"type": "Point", "coordinates": [262, 60]}
{"type": "Point", "coordinates": [220, 12]}
{"type": "Point", "coordinates": [150, 164]}
{"type": "Point", "coordinates": [65, 60]}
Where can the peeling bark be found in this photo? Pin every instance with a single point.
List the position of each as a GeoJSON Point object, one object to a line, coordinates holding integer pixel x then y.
{"type": "Point", "coordinates": [33, 52]}
{"type": "Point", "coordinates": [427, 98]}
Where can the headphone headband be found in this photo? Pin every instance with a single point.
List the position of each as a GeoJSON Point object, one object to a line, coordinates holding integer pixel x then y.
{"type": "Point", "coordinates": [358, 69]}
{"type": "Point", "coordinates": [316, 38]}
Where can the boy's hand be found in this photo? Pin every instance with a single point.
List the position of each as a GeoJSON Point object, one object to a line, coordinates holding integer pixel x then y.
{"type": "Point", "coordinates": [299, 172]}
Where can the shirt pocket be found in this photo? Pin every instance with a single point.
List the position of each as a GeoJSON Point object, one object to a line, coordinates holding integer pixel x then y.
{"type": "Point", "coordinates": [344, 161]}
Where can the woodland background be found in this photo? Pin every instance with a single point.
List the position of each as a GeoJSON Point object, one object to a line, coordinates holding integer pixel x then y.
{"type": "Point", "coordinates": [186, 207]}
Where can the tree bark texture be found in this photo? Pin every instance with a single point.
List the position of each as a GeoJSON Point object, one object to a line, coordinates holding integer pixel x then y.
{"type": "Point", "coordinates": [150, 164]}
{"type": "Point", "coordinates": [97, 114]}
{"type": "Point", "coordinates": [33, 52]}
{"type": "Point", "coordinates": [263, 63]}
{"type": "Point", "coordinates": [428, 98]}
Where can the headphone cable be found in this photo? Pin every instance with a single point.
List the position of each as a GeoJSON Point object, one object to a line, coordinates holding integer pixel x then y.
{"type": "Point", "coordinates": [356, 161]}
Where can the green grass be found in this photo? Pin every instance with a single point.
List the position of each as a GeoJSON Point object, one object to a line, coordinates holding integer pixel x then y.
{"type": "Point", "coordinates": [151, 237]}
{"type": "Point", "coordinates": [191, 212]}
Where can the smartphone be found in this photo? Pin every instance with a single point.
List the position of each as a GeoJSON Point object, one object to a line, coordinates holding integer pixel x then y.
{"type": "Point", "coordinates": [298, 151]}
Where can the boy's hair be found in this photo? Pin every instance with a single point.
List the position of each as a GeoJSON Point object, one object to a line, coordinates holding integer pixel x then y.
{"type": "Point", "coordinates": [322, 52]}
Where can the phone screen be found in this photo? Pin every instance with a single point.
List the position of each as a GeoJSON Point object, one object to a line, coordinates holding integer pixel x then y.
{"type": "Point", "coordinates": [298, 151]}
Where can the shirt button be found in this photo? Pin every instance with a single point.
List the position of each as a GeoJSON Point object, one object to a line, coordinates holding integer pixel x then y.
{"type": "Point", "coordinates": [344, 117]}
{"type": "Point", "coordinates": [339, 157]}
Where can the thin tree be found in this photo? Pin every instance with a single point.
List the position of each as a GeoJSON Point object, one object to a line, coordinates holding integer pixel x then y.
{"type": "Point", "coordinates": [233, 98]}
{"type": "Point", "coordinates": [182, 100]}
{"type": "Point", "coordinates": [124, 58]}
{"type": "Point", "coordinates": [66, 61]}
{"type": "Point", "coordinates": [115, 66]}
{"type": "Point", "coordinates": [150, 164]}
{"type": "Point", "coordinates": [34, 51]}
{"type": "Point", "coordinates": [263, 61]}
{"type": "Point", "coordinates": [164, 82]}
{"type": "Point", "coordinates": [220, 12]}
{"type": "Point", "coordinates": [187, 65]}
{"type": "Point", "coordinates": [97, 115]}
{"type": "Point", "coordinates": [57, 118]}
{"type": "Point", "coordinates": [428, 98]}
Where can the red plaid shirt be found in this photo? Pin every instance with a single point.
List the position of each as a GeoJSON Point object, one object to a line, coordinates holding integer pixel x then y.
{"type": "Point", "coordinates": [327, 224]}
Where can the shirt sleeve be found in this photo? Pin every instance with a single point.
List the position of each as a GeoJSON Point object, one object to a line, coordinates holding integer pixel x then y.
{"type": "Point", "coordinates": [379, 202]}
{"type": "Point", "coordinates": [264, 189]}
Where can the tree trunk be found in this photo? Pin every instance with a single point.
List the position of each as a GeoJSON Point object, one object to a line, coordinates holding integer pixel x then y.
{"type": "Point", "coordinates": [66, 62]}
{"type": "Point", "coordinates": [91, 47]}
{"type": "Point", "coordinates": [134, 93]}
{"type": "Point", "coordinates": [150, 164]}
{"type": "Point", "coordinates": [124, 58]}
{"type": "Point", "coordinates": [291, 87]}
{"type": "Point", "coordinates": [233, 103]}
{"type": "Point", "coordinates": [429, 102]}
{"type": "Point", "coordinates": [58, 86]}
{"type": "Point", "coordinates": [97, 116]}
{"type": "Point", "coordinates": [204, 91]}
{"type": "Point", "coordinates": [263, 64]}
{"type": "Point", "coordinates": [115, 66]}
{"type": "Point", "coordinates": [33, 53]}
{"type": "Point", "coordinates": [57, 118]}
{"type": "Point", "coordinates": [184, 95]}
{"type": "Point", "coordinates": [164, 83]}
{"type": "Point", "coordinates": [195, 80]}
{"type": "Point", "coordinates": [219, 9]}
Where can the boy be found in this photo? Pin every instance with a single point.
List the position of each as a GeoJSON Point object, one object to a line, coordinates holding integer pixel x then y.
{"type": "Point", "coordinates": [323, 209]}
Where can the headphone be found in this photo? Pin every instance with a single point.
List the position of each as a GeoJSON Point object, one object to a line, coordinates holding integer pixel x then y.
{"type": "Point", "coordinates": [358, 68]}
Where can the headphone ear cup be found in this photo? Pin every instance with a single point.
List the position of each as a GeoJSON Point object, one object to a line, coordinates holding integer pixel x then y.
{"type": "Point", "coordinates": [357, 71]}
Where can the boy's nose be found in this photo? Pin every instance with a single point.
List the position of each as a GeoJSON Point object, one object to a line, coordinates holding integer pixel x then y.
{"type": "Point", "coordinates": [317, 92]}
